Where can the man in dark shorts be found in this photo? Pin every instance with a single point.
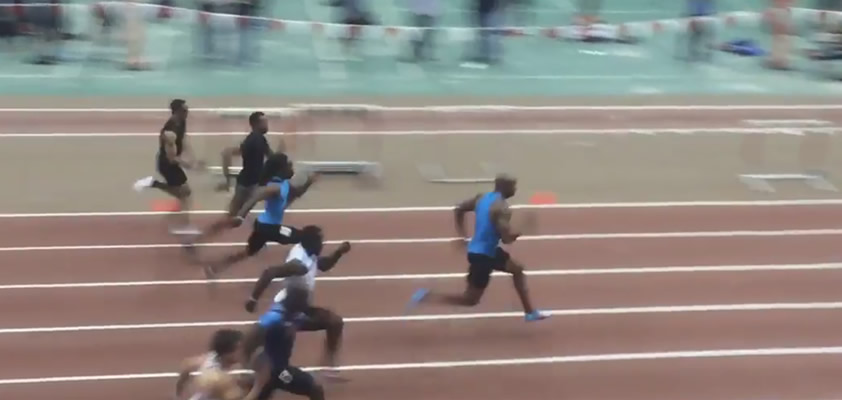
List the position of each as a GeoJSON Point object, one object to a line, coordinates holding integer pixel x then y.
{"type": "Point", "coordinates": [492, 225]}
{"type": "Point", "coordinates": [254, 149]}
{"type": "Point", "coordinates": [278, 193]}
{"type": "Point", "coordinates": [174, 156]}
{"type": "Point", "coordinates": [303, 263]}
{"type": "Point", "coordinates": [275, 331]}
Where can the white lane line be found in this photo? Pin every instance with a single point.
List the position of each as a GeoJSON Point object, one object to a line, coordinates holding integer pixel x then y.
{"type": "Point", "coordinates": [458, 317]}
{"type": "Point", "coordinates": [454, 275]}
{"type": "Point", "coordinates": [466, 107]}
{"type": "Point", "coordinates": [451, 132]}
{"type": "Point", "coordinates": [773, 122]}
{"type": "Point", "coordinates": [380, 210]}
{"type": "Point", "coordinates": [574, 236]}
{"type": "Point", "coordinates": [584, 358]}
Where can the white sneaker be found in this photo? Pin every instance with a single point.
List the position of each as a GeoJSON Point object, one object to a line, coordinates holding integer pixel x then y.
{"type": "Point", "coordinates": [143, 183]}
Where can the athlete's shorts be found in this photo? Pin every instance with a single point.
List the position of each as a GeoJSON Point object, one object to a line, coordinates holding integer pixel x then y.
{"type": "Point", "coordinates": [481, 266]}
{"type": "Point", "coordinates": [292, 380]}
{"type": "Point", "coordinates": [173, 174]}
{"type": "Point", "coordinates": [265, 233]}
{"type": "Point", "coordinates": [241, 195]}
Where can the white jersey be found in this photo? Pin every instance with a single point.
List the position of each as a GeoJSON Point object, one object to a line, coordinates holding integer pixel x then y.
{"type": "Point", "coordinates": [306, 281]}
{"type": "Point", "coordinates": [211, 363]}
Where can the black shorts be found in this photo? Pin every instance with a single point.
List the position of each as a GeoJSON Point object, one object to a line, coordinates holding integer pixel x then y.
{"type": "Point", "coordinates": [173, 174]}
{"type": "Point", "coordinates": [265, 233]}
{"type": "Point", "coordinates": [481, 266]}
{"type": "Point", "coordinates": [292, 380]}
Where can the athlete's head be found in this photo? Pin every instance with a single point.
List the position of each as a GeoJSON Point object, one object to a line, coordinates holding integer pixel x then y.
{"type": "Point", "coordinates": [258, 122]}
{"type": "Point", "coordinates": [226, 344]}
{"type": "Point", "coordinates": [178, 108]}
{"type": "Point", "coordinates": [505, 185]}
{"type": "Point", "coordinates": [277, 165]}
{"type": "Point", "coordinates": [312, 239]}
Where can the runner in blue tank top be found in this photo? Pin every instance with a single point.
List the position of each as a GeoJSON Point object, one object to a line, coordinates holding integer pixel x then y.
{"type": "Point", "coordinates": [492, 225]}
{"type": "Point", "coordinates": [278, 194]}
{"type": "Point", "coordinates": [275, 332]}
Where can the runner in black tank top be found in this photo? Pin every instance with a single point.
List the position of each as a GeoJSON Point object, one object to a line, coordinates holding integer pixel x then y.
{"type": "Point", "coordinates": [172, 157]}
{"type": "Point", "coordinates": [254, 150]}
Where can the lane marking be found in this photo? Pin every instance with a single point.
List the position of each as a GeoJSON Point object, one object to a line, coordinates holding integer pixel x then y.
{"type": "Point", "coordinates": [584, 358]}
{"type": "Point", "coordinates": [574, 236]}
{"type": "Point", "coordinates": [772, 122]}
{"type": "Point", "coordinates": [426, 132]}
{"type": "Point", "coordinates": [466, 107]}
{"type": "Point", "coordinates": [458, 317]}
{"type": "Point", "coordinates": [556, 206]}
{"type": "Point", "coordinates": [451, 275]}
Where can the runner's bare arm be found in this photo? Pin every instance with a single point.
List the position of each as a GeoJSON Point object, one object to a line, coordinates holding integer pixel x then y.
{"type": "Point", "coordinates": [188, 366]}
{"type": "Point", "coordinates": [295, 192]}
{"type": "Point", "coordinates": [502, 217]}
{"type": "Point", "coordinates": [171, 151]}
{"type": "Point", "coordinates": [290, 268]}
{"type": "Point", "coordinates": [459, 214]}
{"type": "Point", "coordinates": [227, 156]}
{"type": "Point", "coordinates": [262, 375]}
{"type": "Point", "coordinates": [326, 263]}
{"type": "Point", "coordinates": [188, 153]}
{"type": "Point", "coordinates": [252, 340]}
{"type": "Point", "coordinates": [261, 194]}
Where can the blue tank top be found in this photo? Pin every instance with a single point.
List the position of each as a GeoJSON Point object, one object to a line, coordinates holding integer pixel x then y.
{"type": "Point", "coordinates": [486, 239]}
{"type": "Point", "coordinates": [700, 8]}
{"type": "Point", "coordinates": [280, 336]}
{"type": "Point", "coordinates": [273, 213]}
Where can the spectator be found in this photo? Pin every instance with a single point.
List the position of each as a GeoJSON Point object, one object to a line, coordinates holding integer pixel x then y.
{"type": "Point", "coordinates": [354, 12]}
{"type": "Point", "coordinates": [207, 33]}
{"type": "Point", "coordinates": [700, 39]}
{"type": "Point", "coordinates": [47, 23]}
{"type": "Point", "coordinates": [424, 15]}
{"type": "Point", "coordinates": [487, 14]}
{"type": "Point", "coordinates": [8, 22]}
{"type": "Point", "coordinates": [249, 29]}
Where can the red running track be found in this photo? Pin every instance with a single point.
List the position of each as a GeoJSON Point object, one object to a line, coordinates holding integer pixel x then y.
{"type": "Point", "coordinates": [62, 332]}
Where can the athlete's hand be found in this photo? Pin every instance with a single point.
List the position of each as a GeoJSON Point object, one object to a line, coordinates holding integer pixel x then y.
{"type": "Point", "coordinates": [344, 248]}
{"type": "Point", "coordinates": [251, 304]}
{"type": "Point", "coordinates": [236, 221]}
{"type": "Point", "coordinates": [529, 223]}
{"type": "Point", "coordinates": [313, 177]}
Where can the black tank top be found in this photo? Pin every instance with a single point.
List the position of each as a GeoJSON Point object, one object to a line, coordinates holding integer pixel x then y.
{"type": "Point", "coordinates": [180, 130]}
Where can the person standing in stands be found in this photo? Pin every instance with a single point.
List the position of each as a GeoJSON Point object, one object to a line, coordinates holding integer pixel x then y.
{"type": "Point", "coordinates": [356, 13]}
{"type": "Point", "coordinates": [424, 14]}
{"type": "Point", "coordinates": [700, 33]}
{"type": "Point", "coordinates": [487, 13]}
{"type": "Point", "coordinates": [249, 29]}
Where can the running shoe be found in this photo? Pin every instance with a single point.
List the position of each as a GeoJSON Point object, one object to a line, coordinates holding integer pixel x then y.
{"type": "Point", "coordinates": [417, 297]}
{"type": "Point", "coordinates": [537, 315]}
{"type": "Point", "coordinates": [143, 183]}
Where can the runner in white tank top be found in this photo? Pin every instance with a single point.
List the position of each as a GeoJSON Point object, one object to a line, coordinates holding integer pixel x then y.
{"type": "Point", "coordinates": [304, 282]}
{"type": "Point", "coordinates": [303, 263]}
{"type": "Point", "coordinates": [212, 369]}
